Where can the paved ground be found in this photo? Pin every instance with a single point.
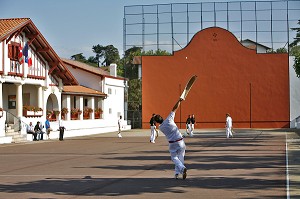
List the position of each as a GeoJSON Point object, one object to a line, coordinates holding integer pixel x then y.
{"type": "Point", "coordinates": [251, 165]}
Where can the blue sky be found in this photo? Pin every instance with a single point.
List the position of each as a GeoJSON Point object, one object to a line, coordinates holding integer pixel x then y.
{"type": "Point", "coordinates": [74, 26]}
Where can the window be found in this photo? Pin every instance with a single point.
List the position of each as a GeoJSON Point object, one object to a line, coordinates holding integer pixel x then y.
{"type": "Point", "coordinates": [85, 102]}
{"type": "Point", "coordinates": [109, 90]}
{"type": "Point", "coordinates": [13, 51]}
{"type": "Point", "coordinates": [110, 111]}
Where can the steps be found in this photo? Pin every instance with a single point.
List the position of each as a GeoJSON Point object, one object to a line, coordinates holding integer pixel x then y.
{"type": "Point", "coordinates": [15, 135]}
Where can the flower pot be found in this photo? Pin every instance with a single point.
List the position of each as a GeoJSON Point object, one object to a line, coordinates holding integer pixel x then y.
{"type": "Point", "coordinates": [74, 116]}
{"type": "Point", "coordinates": [38, 113]}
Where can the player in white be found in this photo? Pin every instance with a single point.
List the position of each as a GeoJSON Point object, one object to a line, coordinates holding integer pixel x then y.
{"type": "Point", "coordinates": [193, 121]}
{"type": "Point", "coordinates": [228, 126]}
{"type": "Point", "coordinates": [176, 143]}
{"type": "Point", "coordinates": [153, 129]}
{"type": "Point", "coordinates": [120, 126]}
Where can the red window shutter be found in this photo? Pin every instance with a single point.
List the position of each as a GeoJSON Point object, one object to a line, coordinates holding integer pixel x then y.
{"type": "Point", "coordinates": [15, 53]}
{"type": "Point", "coordinates": [10, 51]}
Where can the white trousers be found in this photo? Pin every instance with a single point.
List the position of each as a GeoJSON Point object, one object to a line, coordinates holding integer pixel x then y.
{"type": "Point", "coordinates": [177, 151]}
{"type": "Point", "coordinates": [192, 126]}
{"type": "Point", "coordinates": [228, 132]}
{"type": "Point", "coordinates": [153, 133]}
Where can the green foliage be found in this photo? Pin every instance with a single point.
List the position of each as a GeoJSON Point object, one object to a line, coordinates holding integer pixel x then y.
{"type": "Point", "coordinates": [134, 94]}
{"type": "Point", "coordinates": [297, 64]}
{"type": "Point", "coordinates": [109, 53]}
{"type": "Point", "coordinates": [157, 52]}
{"type": "Point", "coordinates": [279, 50]}
{"type": "Point", "coordinates": [297, 39]}
{"type": "Point", "coordinates": [294, 50]}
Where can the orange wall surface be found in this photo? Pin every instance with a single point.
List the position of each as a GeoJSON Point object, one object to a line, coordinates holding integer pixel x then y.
{"type": "Point", "coordinates": [253, 88]}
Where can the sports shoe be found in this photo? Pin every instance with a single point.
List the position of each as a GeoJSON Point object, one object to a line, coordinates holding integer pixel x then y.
{"type": "Point", "coordinates": [184, 173]}
{"type": "Point", "coordinates": [176, 176]}
{"type": "Point", "coordinates": [119, 135]}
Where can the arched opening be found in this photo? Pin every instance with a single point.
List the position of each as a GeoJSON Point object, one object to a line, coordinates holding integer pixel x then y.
{"type": "Point", "coordinates": [52, 108]}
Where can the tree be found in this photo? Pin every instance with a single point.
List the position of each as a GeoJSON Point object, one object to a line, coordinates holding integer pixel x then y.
{"type": "Point", "coordinates": [296, 51]}
{"type": "Point", "coordinates": [109, 53]}
{"type": "Point", "coordinates": [100, 51]}
{"type": "Point", "coordinates": [297, 39]}
{"type": "Point", "coordinates": [135, 98]}
{"type": "Point", "coordinates": [78, 57]}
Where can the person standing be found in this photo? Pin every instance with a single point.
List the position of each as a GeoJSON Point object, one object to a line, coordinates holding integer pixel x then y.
{"type": "Point", "coordinates": [192, 125]}
{"type": "Point", "coordinates": [48, 128]}
{"type": "Point", "coordinates": [153, 129]}
{"type": "Point", "coordinates": [188, 126]}
{"type": "Point", "coordinates": [61, 130]}
{"type": "Point", "coordinates": [176, 144]}
{"type": "Point", "coordinates": [228, 126]}
{"type": "Point", "coordinates": [120, 126]}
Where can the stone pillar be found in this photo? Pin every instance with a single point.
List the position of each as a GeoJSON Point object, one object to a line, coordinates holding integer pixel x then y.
{"type": "Point", "coordinates": [81, 107]}
{"type": "Point", "coordinates": [1, 97]}
{"type": "Point", "coordinates": [19, 100]}
{"type": "Point", "coordinates": [93, 107]}
{"type": "Point", "coordinates": [40, 98]}
{"type": "Point", "coordinates": [68, 99]}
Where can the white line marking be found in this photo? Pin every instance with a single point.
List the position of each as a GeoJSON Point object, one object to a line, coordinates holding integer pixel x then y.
{"type": "Point", "coordinates": [287, 168]}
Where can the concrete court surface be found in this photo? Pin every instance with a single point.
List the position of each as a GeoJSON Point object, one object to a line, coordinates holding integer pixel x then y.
{"type": "Point", "coordinates": [251, 165]}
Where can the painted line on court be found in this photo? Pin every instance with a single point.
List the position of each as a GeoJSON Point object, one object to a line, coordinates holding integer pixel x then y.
{"type": "Point", "coordinates": [287, 168]}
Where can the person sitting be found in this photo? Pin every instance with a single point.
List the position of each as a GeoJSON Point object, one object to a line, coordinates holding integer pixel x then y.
{"type": "Point", "coordinates": [39, 130]}
{"type": "Point", "coordinates": [30, 130]}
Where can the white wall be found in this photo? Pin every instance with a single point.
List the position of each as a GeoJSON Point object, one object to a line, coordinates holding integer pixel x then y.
{"type": "Point", "coordinates": [115, 100]}
{"type": "Point", "coordinates": [294, 94]}
{"type": "Point", "coordinates": [86, 79]}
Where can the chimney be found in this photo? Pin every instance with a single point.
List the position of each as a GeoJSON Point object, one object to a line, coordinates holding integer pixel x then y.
{"type": "Point", "coordinates": [113, 70]}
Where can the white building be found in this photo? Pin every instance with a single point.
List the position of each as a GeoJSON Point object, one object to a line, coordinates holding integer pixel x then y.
{"type": "Point", "coordinates": [31, 89]}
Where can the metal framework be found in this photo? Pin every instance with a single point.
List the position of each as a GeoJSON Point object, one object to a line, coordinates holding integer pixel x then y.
{"type": "Point", "coordinates": [170, 27]}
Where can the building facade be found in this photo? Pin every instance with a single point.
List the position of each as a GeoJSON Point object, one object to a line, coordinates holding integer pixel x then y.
{"type": "Point", "coordinates": [35, 83]}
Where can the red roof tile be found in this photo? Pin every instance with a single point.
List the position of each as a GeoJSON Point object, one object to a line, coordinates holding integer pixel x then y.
{"type": "Point", "coordinates": [10, 25]}
{"type": "Point", "coordinates": [81, 90]}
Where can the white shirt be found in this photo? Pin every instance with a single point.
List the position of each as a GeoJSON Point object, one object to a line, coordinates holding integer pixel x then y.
{"type": "Point", "coordinates": [228, 122]}
{"type": "Point", "coordinates": [120, 123]}
{"type": "Point", "coordinates": [170, 129]}
{"type": "Point", "coordinates": [30, 128]}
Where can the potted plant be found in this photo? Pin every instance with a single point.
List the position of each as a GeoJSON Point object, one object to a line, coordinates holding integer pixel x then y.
{"type": "Point", "coordinates": [38, 111]}
{"type": "Point", "coordinates": [98, 112]}
{"type": "Point", "coordinates": [86, 112]}
{"type": "Point", "coordinates": [64, 111]}
{"type": "Point", "coordinates": [28, 111]}
{"type": "Point", "coordinates": [56, 113]}
{"type": "Point", "coordinates": [75, 112]}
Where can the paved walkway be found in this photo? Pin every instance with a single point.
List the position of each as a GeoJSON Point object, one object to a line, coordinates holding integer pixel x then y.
{"type": "Point", "coordinates": [251, 165]}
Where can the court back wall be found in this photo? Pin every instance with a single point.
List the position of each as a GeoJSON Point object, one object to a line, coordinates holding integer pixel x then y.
{"type": "Point", "coordinates": [253, 88]}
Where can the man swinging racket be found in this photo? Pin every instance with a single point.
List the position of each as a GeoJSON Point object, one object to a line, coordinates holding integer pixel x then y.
{"type": "Point", "coordinates": [173, 135]}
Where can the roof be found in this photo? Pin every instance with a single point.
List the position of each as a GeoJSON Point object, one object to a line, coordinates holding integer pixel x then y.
{"type": "Point", "coordinates": [82, 90]}
{"type": "Point", "coordinates": [255, 44]}
{"type": "Point", "coordinates": [15, 26]}
{"type": "Point", "coordinates": [86, 67]}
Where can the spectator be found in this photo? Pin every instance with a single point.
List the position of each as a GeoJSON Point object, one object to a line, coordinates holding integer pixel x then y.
{"type": "Point", "coordinates": [61, 130]}
{"type": "Point", "coordinates": [30, 130]}
{"type": "Point", "coordinates": [48, 128]}
{"type": "Point", "coordinates": [39, 130]}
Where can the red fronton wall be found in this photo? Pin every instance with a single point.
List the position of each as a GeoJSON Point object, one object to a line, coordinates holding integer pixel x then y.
{"type": "Point", "coordinates": [253, 88]}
